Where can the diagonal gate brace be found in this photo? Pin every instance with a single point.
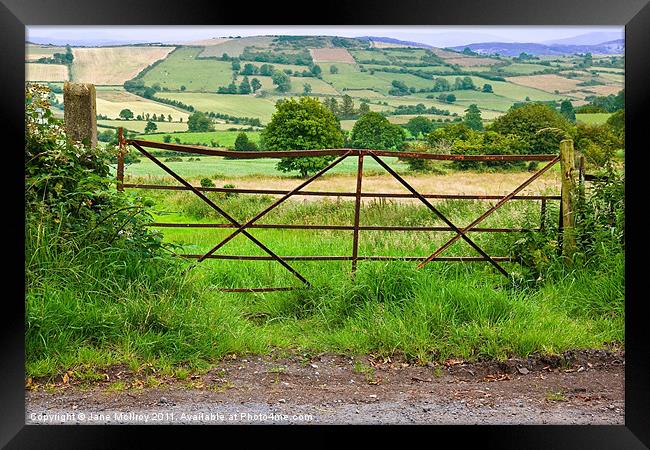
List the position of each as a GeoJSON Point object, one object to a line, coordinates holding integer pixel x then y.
{"type": "Point", "coordinates": [271, 207]}
{"type": "Point", "coordinates": [220, 211]}
{"type": "Point", "coordinates": [461, 233]}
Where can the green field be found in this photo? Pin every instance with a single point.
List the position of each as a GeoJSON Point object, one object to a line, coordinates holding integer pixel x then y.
{"type": "Point", "coordinates": [593, 118]}
{"type": "Point", "coordinates": [222, 137]}
{"type": "Point", "coordinates": [138, 125]}
{"type": "Point", "coordinates": [235, 47]}
{"type": "Point", "coordinates": [522, 68]}
{"type": "Point", "coordinates": [235, 105]}
{"type": "Point", "coordinates": [448, 310]}
{"type": "Point", "coordinates": [210, 165]}
{"type": "Point", "coordinates": [182, 68]}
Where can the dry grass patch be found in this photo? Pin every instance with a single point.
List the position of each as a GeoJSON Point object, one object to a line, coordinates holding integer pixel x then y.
{"type": "Point", "coordinates": [471, 62]}
{"type": "Point", "coordinates": [113, 65]}
{"type": "Point", "coordinates": [468, 183]}
{"type": "Point", "coordinates": [331, 55]}
{"type": "Point", "coordinates": [604, 89]}
{"type": "Point", "coordinates": [444, 54]}
{"type": "Point", "coordinates": [34, 52]}
{"type": "Point", "coordinates": [45, 72]}
{"type": "Point", "coordinates": [110, 103]}
{"type": "Point", "coordinates": [548, 82]}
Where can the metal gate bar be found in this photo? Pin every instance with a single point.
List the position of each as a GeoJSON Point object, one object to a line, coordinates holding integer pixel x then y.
{"type": "Point", "coordinates": [358, 195]}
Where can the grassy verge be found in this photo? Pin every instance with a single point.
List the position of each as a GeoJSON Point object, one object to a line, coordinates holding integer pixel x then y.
{"type": "Point", "coordinates": [92, 307]}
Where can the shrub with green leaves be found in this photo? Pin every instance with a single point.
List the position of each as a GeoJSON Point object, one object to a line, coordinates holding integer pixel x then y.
{"type": "Point", "coordinates": [69, 184]}
{"type": "Point", "coordinates": [539, 125]}
{"type": "Point", "coordinates": [207, 182]}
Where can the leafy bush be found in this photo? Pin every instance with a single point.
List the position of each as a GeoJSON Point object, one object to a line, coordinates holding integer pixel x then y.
{"type": "Point", "coordinates": [206, 182]}
{"type": "Point", "coordinates": [528, 121]}
{"type": "Point", "coordinates": [69, 184]}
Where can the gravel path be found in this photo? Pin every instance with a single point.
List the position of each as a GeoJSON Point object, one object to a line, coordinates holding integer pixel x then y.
{"type": "Point", "coordinates": [585, 387]}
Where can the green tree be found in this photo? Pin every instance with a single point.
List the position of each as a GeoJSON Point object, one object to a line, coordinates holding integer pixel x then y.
{"type": "Point", "coordinates": [539, 125]}
{"type": "Point", "coordinates": [255, 84]}
{"type": "Point", "coordinates": [473, 118]}
{"type": "Point", "coordinates": [441, 84]}
{"type": "Point", "coordinates": [447, 98]}
{"type": "Point", "coordinates": [236, 66]}
{"type": "Point", "coordinates": [331, 104]}
{"type": "Point", "coordinates": [306, 88]}
{"type": "Point", "coordinates": [419, 126]}
{"type": "Point", "coordinates": [566, 109]}
{"type": "Point", "coordinates": [487, 88]}
{"type": "Point", "coordinates": [282, 81]}
{"type": "Point", "coordinates": [167, 138]}
{"type": "Point", "coordinates": [334, 69]}
{"type": "Point", "coordinates": [126, 114]}
{"type": "Point", "coordinates": [244, 144]}
{"type": "Point", "coordinates": [302, 124]}
{"type": "Point", "coordinates": [316, 70]}
{"type": "Point", "coordinates": [347, 107]}
{"type": "Point", "coordinates": [598, 143]}
{"type": "Point", "coordinates": [398, 88]}
{"type": "Point", "coordinates": [198, 121]}
{"type": "Point", "coordinates": [266, 70]}
{"type": "Point", "coordinates": [374, 131]}
{"type": "Point", "coordinates": [364, 108]}
{"type": "Point", "coordinates": [249, 69]}
{"type": "Point", "coordinates": [245, 86]}
{"type": "Point", "coordinates": [150, 127]}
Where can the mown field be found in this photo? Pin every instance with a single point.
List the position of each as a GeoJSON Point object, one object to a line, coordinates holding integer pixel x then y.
{"type": "Point", "coordinates": [139, 125]}
{"type": "Point", "coordinates": [593, 118]}
{"type": "Point", "coordinates": [222, 138]}
{"type": "Point", "coordinates": [209, 166]}
{"type": "Point", "coordinates": [111, 102]}
{"type": "Point", "coordinates": [237, 105]}
{"type": "Point", "coordinates": [45, 72]}
{"type": "Point", "coordinates": [113, 65]}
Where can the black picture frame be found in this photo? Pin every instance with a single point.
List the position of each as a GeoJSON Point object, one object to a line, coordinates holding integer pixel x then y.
{"type": "Point", "coordinates": [633, 14]}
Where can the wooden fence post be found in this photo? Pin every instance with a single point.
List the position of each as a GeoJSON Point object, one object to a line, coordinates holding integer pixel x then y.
{"type": "Point", "coordinates": [80, 112]}
{"type": "Point", "coordinates": [567, 169]}
{"type": "Point", "coordinates": [120, 159]}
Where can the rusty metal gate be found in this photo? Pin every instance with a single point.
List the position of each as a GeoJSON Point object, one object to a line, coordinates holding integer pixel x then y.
{"type": "Point", "coordinates": [358, 194]}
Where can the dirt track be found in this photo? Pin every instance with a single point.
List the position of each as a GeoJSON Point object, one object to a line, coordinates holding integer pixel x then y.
{"type": "Point", "coordinates": [583, 387]}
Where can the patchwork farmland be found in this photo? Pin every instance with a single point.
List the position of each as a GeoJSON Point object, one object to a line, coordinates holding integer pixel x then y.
{"type": "Point", "coordinates": [397, 80]}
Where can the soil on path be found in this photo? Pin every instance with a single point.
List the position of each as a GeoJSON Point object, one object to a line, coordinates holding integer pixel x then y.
{"type": "Point", "coordinates": [579, 387]}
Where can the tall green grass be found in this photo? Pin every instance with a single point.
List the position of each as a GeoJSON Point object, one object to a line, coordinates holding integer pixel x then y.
{"type": "Point", "coordinates": [92, 306]}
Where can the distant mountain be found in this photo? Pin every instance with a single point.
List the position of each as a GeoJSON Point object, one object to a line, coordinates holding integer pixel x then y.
{"type": "Point", "coordinates": [594, 38]}
{"type": "Point", "coordinates": [393, 41]}
{"type": "Point", "coordinates": [86, 42]}
{"type": "Point", "coordinates": [615, 47]}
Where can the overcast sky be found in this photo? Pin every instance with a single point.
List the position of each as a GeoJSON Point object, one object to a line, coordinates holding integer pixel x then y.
{"type": "Point", "coordinates": [433, 35]}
